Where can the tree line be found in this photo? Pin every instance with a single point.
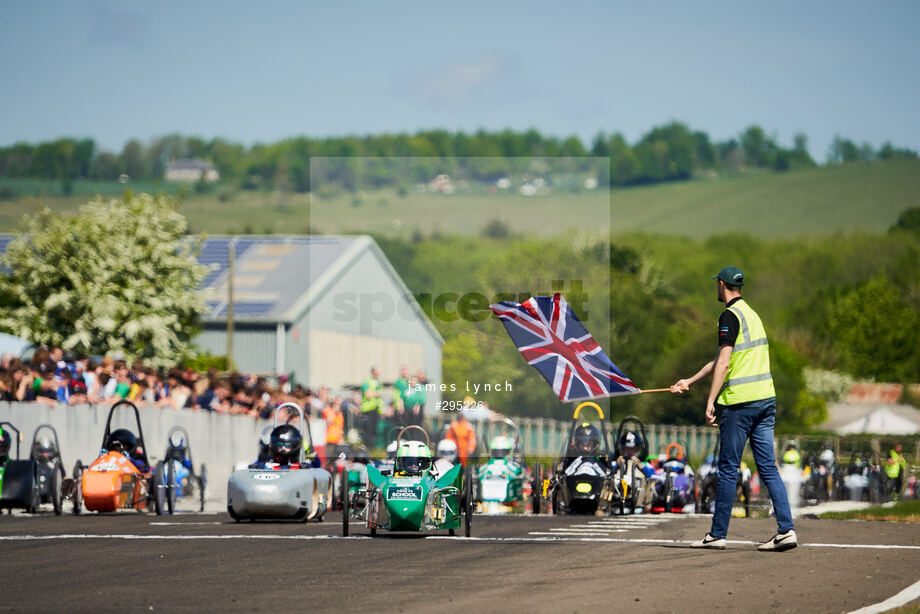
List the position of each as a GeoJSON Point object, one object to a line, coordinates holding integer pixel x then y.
{"type": "Point", "coordinates": [670, 152]}
{"type": "Point", "coordinates": [837, 309]}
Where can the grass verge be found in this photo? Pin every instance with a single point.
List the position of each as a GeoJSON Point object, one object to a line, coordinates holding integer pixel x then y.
{"type": "Point", "coordinates": [902, 511]}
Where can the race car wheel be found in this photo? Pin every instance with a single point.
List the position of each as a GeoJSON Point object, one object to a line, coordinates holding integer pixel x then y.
{"type": "Point", "coordinates": [57, 487]}
{"type": "Point", "coordinates": [172, 488]}
{"type": "Point", "coordinates": [537, 489]}
{"type": "Point", "coordinates": [669, 493]}
{"type": "Point", "coordinates": [202, 484]}
{"type": "Point", "coordinates": [36, 491]}
{"type": "Point", "coordinates": [343, 497]}
{"type": "Point", "coordinates": [77, 488]}
{"type": "Point", "coordinates": [746, 499]}
{"type": "Point", "coordinates": [708, 498]}
{"type": "Point", "coordinates": [159, 488]}
{"type": "Point", "coordinates": [232, 513]}
{"type": "Point", "coordinates": [468, 503]}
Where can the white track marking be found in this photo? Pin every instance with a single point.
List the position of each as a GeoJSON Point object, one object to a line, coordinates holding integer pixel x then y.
{"type": "Point", "coordinates": [601, 525]}
{"type": "Point", "coordinates": [904, 597]}
{"type": "Point", "coordinates": [554, 538]}
{"type": "Point", "coordinates": [180, 524]}
{"type": "Point", "coordinates": [578, 533]}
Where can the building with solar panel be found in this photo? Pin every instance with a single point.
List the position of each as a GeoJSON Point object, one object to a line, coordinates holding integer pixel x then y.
{"type": "Point", "coordinates": [320, 309]}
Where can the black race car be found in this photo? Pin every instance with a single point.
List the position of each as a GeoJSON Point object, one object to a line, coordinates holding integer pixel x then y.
{"type": "Point", "coordinates": [26, 484]}
{"type": "Point", "coordinates": [582, 480]}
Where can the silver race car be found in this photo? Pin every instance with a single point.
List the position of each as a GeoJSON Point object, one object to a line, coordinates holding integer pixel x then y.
{"type": "Point", "coordinates": [286, 485]}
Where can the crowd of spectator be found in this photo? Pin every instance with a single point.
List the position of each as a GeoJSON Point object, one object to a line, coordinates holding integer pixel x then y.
{"type": "Point", "coordinates": [367, 411]}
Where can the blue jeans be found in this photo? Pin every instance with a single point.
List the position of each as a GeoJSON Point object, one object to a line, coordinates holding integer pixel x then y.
{"type": "Point", "coordinates": [738, 423]}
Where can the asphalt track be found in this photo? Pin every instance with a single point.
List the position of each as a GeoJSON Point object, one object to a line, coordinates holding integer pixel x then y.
{"type": "Point", "coordinates": [129, 562]}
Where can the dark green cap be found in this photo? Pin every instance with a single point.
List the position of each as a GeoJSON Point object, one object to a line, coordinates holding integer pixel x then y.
{"type": "Point", "coordinates": [731, 275]}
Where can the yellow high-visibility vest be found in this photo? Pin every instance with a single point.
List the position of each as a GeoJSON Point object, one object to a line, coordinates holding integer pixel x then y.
{"type": "Point", "coordinates": [748, 378]}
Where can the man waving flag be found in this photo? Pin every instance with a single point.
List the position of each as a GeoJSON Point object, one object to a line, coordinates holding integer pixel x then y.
{"type": "Point", "coordinates": [555, 343]}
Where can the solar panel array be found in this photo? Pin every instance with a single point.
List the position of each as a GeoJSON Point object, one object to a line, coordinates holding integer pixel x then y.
{"type": "Point", "coordinates": [216, 252]}
{"type": "Point", "coordinates": [285, 272]}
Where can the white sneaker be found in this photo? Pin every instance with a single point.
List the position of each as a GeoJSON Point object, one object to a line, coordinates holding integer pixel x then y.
{"type": "Point", "coordinates": [709, 542]}
{"type": "Point", "coordinates": [780, 542]}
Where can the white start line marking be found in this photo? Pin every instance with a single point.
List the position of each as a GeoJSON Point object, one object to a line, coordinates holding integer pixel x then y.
{"type": "Point", "coordinates": [549, 539]}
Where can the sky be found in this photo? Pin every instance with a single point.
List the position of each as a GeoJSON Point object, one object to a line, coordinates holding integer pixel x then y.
{"type": "Point", "coordinates": [263, 71]}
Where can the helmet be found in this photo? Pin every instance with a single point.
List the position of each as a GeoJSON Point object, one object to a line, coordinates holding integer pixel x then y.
{"type": "Point", "coordinates": [391, 450]}
{"type": "Point", "coordinates": [44, 449]}
{"type": "Point", "coordinates": [362, 456]}
{"type": "Point", "coordinates": [827, 457]}
{"type": "Point", "coordinates": [6, 441]}
{"type": "Point", "coordinates": [412, 458]}
{"type": "Point", "coordinates": [264, 442]}
{"type": "Point", "coordinates": [177, 441]}
{"type": "Point", "coordinates": [121, 440]}
{"type": "Point", "coordinates": [501, 446]}
{"type": "Point", "coordinates": [177, 445]}
{"type": "Point", "coordinates": [447, 449]}
{"type": "Point", "coordinates": [286, 444]}
{"type": "Point", "coordinates": [586, 439]}
{"type": "Point", "coordinates": [630, 440]}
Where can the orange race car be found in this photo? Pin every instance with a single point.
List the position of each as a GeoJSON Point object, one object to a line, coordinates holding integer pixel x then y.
{"type": "Point", "coordinates": [121, 478]}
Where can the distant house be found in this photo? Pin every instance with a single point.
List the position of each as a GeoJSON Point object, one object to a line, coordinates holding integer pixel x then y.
{"type": "Point", "coordinates": [190, 170]}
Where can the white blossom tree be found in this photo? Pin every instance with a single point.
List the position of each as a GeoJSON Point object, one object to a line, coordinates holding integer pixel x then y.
{"type": "Point", "coordinates": [116, 276]}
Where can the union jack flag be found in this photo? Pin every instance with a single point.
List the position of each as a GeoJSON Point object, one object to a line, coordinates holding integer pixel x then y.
{"type": "Point", "coordinates": [556, 343]}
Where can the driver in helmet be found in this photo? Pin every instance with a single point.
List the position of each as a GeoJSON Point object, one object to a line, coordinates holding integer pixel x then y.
{"type": "Point", "coordinates": [502, 447]}
{"type": "Point", "coordinates": [447, 449]}
{"type": "Point", "coordinates": [585, 444]}
{"type": "Point", "coordinates": [124, 442]}
{"type": "Point", "coordinates": [177, 450]}
{"type": "Point", "coordinates": [586, 440]}
{"type": "Point", "coordinates": [284, 449]}
{"type": "Point", "coordinates": [630, 446]}
{"type": "Point", "coordinates": [413, 458]}
{"type": "Point", "coordinates": [44, 451]}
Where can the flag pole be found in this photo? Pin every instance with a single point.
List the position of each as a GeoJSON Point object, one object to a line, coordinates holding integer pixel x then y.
{"type": "Point", "coordinates": [658, 390]}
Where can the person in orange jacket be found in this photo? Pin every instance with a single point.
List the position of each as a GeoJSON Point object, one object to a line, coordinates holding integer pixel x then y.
{"type": "Point", "coordinates": [461, 432]}
{"type": "Point", "coordinates": [335, 427]}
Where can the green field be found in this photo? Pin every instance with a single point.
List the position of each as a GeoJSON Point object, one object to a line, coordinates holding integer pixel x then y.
{"type": "Point", "coordinates": [821, 201]}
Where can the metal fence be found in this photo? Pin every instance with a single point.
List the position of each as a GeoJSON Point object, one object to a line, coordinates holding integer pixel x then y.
{"type": "Point", "coordinates": [546, 436]}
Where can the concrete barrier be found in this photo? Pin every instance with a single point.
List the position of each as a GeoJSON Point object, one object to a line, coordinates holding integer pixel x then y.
{"type": "Point", "coordinates": [218, 440]}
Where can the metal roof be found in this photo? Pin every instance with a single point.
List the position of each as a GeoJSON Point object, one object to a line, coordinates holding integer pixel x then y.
{"type": "Point", "coordinates": [271, 273]}
{"type": "Point", "coordinates": [277, 278]}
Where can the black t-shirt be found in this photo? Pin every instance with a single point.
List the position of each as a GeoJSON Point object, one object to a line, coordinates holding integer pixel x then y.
{"type": "Point", "coordinates": [728, 325]}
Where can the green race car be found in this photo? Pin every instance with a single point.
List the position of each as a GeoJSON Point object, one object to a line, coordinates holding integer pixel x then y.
{"type": "Point", "coordinates": [422, 494]}
{"type": "Point", "coordinates": [499, 484]}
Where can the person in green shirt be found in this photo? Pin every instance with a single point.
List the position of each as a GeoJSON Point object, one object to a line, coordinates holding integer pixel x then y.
{"type": "Point", "coordinates": [371, 406]}
{"type": "Point", "coordinates": [895, 469]}
{"type": "Point", "coordinates": [415, 399]}
{"type": "Point", "coordinates": [400, 394]}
